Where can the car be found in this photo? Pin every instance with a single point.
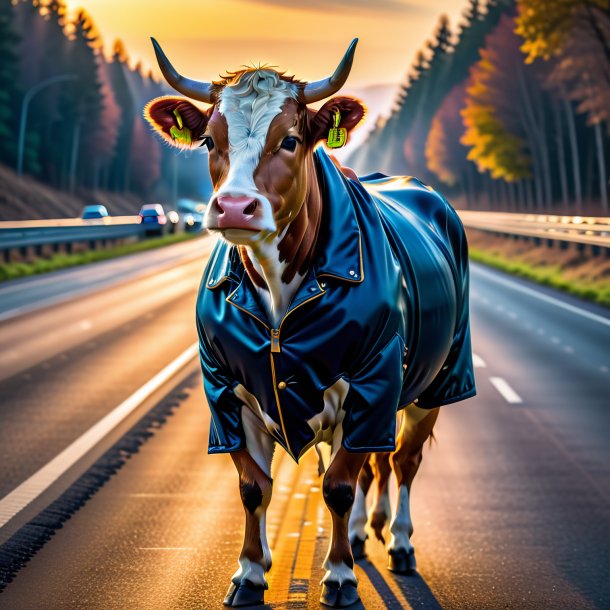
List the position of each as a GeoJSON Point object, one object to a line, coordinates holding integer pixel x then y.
{"type": "Point", "coordinates": [94, 211]}
{"type": "Point", "coordinates": [174, 218]}
{"type": "Point", "coordinates": [193, 222]}
{"type": "Point", "coordinates": [153, 216]}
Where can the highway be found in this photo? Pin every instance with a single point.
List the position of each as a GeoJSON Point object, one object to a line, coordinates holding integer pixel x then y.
{"type": "Point", "coordinates": [511, 506]}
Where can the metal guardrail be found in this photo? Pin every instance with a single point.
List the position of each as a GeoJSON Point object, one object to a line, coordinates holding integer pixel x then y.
{"type": "Point", "coordinates": [24, 235]}
{"type": "Point", "coordinates": [582, 230]}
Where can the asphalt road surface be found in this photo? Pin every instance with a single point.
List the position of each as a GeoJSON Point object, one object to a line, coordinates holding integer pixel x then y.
{"type": "Point", "coordinates": [511, 506]}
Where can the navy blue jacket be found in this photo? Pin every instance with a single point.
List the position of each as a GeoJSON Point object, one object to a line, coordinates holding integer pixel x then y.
{"type": "Point", "coordinates": [388, 288]}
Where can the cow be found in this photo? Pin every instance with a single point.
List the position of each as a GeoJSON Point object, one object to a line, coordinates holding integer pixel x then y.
{"type": "Point", "coordinates": [330, 304]}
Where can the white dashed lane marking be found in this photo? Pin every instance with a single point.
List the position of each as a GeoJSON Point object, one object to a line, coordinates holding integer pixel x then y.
{"type": "Point", "coordinates": [478, 362]}
{"type": "Point", "coordinates": [509, 395]}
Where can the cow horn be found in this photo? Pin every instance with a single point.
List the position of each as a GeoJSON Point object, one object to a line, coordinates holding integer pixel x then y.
{"type": "Point", "coordinates": [320, 89]}
{"type": "Point", "coordinates": [191, 88]}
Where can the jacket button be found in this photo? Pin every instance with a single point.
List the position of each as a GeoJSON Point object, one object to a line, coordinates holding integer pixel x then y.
{"type": "Point", "coordinates": [281, 385]}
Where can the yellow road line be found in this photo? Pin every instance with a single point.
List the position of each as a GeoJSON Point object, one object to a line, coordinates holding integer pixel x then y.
{"type": "Point", "coordinates": [309, 534]}
{"type": "Point", "coordinates": [290, 532]}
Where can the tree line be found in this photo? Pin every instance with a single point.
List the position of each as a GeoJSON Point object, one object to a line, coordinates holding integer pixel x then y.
{"type": "Point", "coordinates": [510, 111]}
{"type": "Point", "coordinates": [86, 132]}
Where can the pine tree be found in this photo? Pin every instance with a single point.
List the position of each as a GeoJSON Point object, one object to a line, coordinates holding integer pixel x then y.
{"type": "Point", "coordinates": [81, 103]}
{"type": "Point", "coordinates": [119, 68]}
{"type": "Point", "coordinates": [10, 95]}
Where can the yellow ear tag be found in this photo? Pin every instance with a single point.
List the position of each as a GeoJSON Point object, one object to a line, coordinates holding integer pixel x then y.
{"type": "Point", "coordinates": [180, 133]}
{"type": "Point", "coordinates": [337, 136]}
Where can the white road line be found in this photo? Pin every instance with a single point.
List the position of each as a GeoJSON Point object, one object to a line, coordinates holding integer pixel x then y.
{"type": "Point", "coordinates": [40, 481]}
{"type": "Point", "coordinates": [543, 297]}
{"type": "Point", "coordinates": [478, 362]}
{"type": "Point", "coordinates": [509, 395]}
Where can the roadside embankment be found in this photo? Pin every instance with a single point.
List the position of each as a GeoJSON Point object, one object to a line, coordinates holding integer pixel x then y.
{"type": "Point", "coordinates": [570, 270]}
{"type": "Point", "coordinates": [11, 271]}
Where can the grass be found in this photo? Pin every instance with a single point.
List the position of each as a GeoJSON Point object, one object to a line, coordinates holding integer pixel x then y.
{"type": "Point", "coordinates": [10, 271]}
{"type": "Point", "coordinates": [549, 275]}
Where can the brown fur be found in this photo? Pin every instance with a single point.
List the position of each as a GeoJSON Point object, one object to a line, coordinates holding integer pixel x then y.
{"type": "Point", "coordinates": [251, 476]}
{"type": "Point", "coordinates": [343, 470]}
{"type": "Point", "coordinates": [404, 461]}
{"type": "Point", "coordinates": [381, 468]}
{"type": "Point", "coordinates": [409, 449]}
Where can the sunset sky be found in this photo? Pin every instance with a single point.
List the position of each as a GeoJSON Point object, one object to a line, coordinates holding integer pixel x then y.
{"type": "Point", "coordinates": [204, 38]}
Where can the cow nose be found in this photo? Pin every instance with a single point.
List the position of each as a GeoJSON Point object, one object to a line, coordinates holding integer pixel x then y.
{"type": "Point", "coordinates": [236, 206]}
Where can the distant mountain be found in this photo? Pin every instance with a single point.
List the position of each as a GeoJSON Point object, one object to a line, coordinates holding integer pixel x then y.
{"type": "Point", "coordinates": [378, 100]}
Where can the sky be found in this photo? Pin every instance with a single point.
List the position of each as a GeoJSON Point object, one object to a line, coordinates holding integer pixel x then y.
{"type": "Point", "coordinates": [204, 38]}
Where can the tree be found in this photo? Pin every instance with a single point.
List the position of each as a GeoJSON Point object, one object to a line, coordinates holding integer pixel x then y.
{"type": "Point", "coordinates": [575, 36]}
{"type": "Point", "coordinates": [506, 114]}
{"type": "Point", "coordinates": [119, 70]}
{"type": "Point", "coordinates": [81, 104]}
{"type": "Point", "coordinates": [101, 145]}
{"type": "Point", "coordinates": [9, 90]}
{"type": "Point", "coordinates": [144, 157]}
{"type": "Point", "coordinates": [397, 145]}
{"type": "Point", "coordinates": [446, 156]}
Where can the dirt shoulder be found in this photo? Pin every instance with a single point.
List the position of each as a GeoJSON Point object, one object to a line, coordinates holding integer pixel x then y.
{"type": "Point", "coordinates": [26, 198]}
{"type": "Point", "coordinates": [578, 273]}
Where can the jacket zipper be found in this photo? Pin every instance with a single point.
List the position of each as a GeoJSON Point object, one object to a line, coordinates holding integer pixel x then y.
{"type": "Point", "coordinates": [275, 340]}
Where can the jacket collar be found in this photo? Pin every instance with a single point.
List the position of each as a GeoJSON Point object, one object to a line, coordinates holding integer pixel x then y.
{"type": "Point", "coordinates": [339, 244]}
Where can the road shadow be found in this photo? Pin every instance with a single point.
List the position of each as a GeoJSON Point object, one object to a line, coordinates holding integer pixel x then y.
{"type": "Point", "coordinates": [380, 584]}
{"type": "Point", "coordinates": [416, 590]}
{"type": "Point", "coordinates": [412, 586]}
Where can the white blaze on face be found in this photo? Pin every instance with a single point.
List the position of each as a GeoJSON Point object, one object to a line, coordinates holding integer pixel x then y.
{"type": "Point", "coordinates": [249, 107]}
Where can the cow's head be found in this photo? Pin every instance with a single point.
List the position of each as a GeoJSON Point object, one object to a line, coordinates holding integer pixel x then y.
{"type": "Point", "coordinates": [260, 135]}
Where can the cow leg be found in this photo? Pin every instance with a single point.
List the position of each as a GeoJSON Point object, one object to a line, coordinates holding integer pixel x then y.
{"type": "Point", "coordinates": [253, 464]}
{"type": "Point", "coordinates": [380, 514]}
{"type": "Point", "coordinates": [339, 489]}
{"type": "Point", "coordinates": [416, 428]}
{"type": "Point", "coordinates": [358, 518]}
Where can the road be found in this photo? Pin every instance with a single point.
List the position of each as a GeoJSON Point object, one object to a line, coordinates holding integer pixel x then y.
{"type": "Point", "coordinates": [511, 506]}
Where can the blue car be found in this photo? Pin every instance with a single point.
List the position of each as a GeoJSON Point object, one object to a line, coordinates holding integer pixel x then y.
{"type": "Point", "coordinates": [152, 215]}
{"type": "Point", "coordinates": [94, 211]}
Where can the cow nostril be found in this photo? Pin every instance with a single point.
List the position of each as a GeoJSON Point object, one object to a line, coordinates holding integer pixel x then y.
{"type": "Point", "coordinates": [218, 207]}
{"type": "Point", "coordinates": [250, 209]}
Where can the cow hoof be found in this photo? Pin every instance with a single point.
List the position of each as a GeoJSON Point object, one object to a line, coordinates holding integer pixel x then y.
{"type": "Point", "coordinates": [244, 594]}
{"type": "Point", "coordinates": [358, 548]}
{"type": "Point", "coordinates": [402, 561]}
{"type": "Point", "coordinates": [339, 596]}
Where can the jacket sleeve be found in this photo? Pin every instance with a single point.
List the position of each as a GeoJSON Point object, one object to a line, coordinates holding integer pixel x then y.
{"type": "Point", "coordinates": [370, 420]}
{"type": "Point", "coordinates": [226, 430]}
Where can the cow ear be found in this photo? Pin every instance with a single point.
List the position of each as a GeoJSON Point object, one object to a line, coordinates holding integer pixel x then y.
{"type": "Point", "coordinates": [351, 112]}
{"type": "Point", "coordinates": [177, 121]}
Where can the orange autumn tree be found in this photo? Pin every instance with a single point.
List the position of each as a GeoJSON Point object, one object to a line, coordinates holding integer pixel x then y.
{"type": "Point", "coordinates": [574, 37]}
{"type": "Point", "coordinates": [445, 154]}
{"type": "Point", "coordinates": [506, 128]}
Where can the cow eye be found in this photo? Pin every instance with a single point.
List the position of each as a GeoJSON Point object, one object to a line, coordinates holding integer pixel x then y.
{"type": "Point", "coordinates": [289, 143]}
{"type": "Point", "coordinates": [208, 142]}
